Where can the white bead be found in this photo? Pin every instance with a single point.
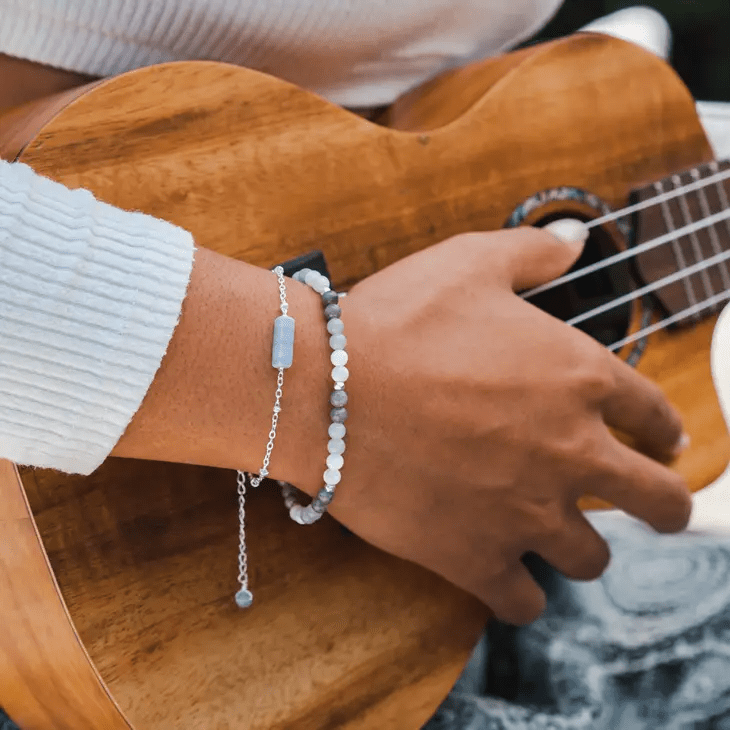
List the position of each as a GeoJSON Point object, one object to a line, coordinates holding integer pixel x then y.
{"type": "Point", "coordinates": [336, 446]}
{"type": "Point", "coordinates": [335, 461]}
{"type": "Point", "coordinates": [303, 515]}
{"type": "Point", "coordinates": [332, 476]}
{"type": "Point", "coordinates": [308, 516]}
{"type": "Point", "coordinates": [338, 342]}
{"type": "Point", "coordinates": [340, 374]}
{"type": "Point", "coordinates": [321, 285]}
{"type": "Point", "coordinates": [337, 430]}
{"type": "Point", "coordinates": [311, 277]}
{"type": "Point", "coordinates": [339, 357]}
{"type": "Point", "coordinates": [299, 275]}
{"type": "Point", "coordinates": [335, 326]}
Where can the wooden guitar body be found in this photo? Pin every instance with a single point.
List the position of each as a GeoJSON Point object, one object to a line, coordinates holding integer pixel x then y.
{"type": "Point", "coordinates": [116, 589]}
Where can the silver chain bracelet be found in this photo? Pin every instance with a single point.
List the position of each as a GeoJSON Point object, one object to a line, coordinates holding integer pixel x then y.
{"type": "Point", "coordinates": [282, 356]}
{"type": "Point", "coordinates": [281, 359]}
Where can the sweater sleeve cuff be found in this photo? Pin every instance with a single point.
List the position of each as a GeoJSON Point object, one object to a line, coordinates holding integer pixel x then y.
{"type": "Point", "coordinates": [89, 299]}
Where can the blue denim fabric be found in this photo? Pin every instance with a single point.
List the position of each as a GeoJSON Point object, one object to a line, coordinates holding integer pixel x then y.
{"type": "Point", "coordinates": [645, 647]}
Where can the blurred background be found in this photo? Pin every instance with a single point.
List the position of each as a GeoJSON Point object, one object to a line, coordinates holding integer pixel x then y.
{"type": "Point", "coordinates": [700, 28]}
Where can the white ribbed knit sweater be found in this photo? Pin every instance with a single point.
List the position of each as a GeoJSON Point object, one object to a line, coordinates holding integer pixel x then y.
{"type": "Point", "coordinates": [354, 52]}
{"type": "Point", "coordinates": [90, 295]}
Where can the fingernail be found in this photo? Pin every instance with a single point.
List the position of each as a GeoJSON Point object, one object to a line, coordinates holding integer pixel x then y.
{"type": "Point", "coordinates": [682, 444]}
{"type": "Point", "coordinates": [569, 230]}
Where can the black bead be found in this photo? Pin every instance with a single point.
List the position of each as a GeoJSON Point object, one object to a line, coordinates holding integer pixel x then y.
{"type": "Point", "coordinates": [330, 297]}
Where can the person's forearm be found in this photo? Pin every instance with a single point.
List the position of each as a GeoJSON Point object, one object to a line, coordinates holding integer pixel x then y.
{"type": "Point", "coordinates": [212, 399]}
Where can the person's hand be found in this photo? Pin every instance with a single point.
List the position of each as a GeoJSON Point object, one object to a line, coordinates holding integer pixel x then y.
{"type": "Point", "coordinates": [477, 421]}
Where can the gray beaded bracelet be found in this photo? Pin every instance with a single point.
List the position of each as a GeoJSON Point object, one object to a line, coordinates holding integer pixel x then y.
{"type": "Point", "coordinates": [306, 515]}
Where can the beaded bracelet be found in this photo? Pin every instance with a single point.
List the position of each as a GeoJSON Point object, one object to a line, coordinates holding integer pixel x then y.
{"type": "Point", "coordinates": [306, 515]}
{"type": "Point", "coordinates": [282, 355]}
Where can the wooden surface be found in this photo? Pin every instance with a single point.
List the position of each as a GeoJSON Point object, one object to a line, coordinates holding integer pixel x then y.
{"type": "Point", "coordinates": [341, 636]}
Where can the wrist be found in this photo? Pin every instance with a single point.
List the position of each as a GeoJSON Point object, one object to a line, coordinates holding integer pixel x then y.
{"type": "Point", "coordinates": [212, 398]}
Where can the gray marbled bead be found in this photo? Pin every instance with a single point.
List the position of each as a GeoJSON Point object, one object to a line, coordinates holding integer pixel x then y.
{"type": "Point", "coordinates": [338, 398]}
{"type": "Point", "coordinates": [324, 496]}
{"type": "Point", "coordinates": [332, 311]}
{"type": "Point", "coordinates": [338, 415]}
{"type": "Point", "coordinates": [310, 515]}
{"type": "Point", "coordinates": [304, 515]}
{"type": "Point", "coordinates": [330, 297]}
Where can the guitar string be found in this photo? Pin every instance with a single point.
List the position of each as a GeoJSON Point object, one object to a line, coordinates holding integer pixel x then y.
{"type": "Point", "coordinates": [668, 218]}
{"type": "Point", "coordinates": [630, 253]}
{"type": "Point", "coordinates": [635, 251]}
{"type": "Point", "coordinates": [712, 232]}
{"type": "Point", "coordinates": [714, 179]}
{"type": "Point", "coordinates": [664, 323]}
{"type": "Point", "coordinates": [658, 284]}
{"type": "Point", "coordinates": [709, 221]}
{"type": "Point", "coordinates": [721, 192]}
{"type": "Point", "coordinates": [694, 239]}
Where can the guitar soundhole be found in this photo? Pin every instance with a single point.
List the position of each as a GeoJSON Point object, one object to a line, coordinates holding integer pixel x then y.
{"type": "Point", "coordinates": [591, 291]}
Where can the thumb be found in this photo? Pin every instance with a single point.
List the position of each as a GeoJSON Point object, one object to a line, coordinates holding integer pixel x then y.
{"type": "Point", "coordinates": [545, 253]}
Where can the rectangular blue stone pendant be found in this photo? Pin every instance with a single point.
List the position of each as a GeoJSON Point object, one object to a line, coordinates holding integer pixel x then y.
{"type": "Point", "coordinates": [282, 354]}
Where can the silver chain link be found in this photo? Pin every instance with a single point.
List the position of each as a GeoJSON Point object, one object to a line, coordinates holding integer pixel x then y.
{"type": "Point", "coordinates": [255, 481]}
{"type": "Point", "coordinates": [264, 471]}
{"type": "Point", "coordinates": [284, 306]}
{"type": "Point", "coordinates": [242, 557]}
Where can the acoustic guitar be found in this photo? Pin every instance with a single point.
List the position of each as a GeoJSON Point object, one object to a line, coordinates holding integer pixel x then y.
{"type": "Point", "coordinates": [116, 589]}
